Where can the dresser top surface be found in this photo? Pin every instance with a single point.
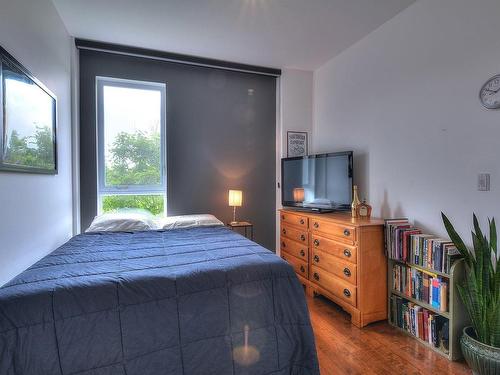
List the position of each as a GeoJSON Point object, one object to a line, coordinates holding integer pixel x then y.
{"type": "Point", "coordinates": [337, 217]}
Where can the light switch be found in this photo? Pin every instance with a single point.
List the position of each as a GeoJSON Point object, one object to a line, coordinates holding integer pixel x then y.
{"type": "Point", "coordinates": [483, 182]}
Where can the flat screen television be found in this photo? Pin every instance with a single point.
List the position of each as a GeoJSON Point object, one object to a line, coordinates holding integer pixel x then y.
{"type": "Point", "coordinates": [320, 182]}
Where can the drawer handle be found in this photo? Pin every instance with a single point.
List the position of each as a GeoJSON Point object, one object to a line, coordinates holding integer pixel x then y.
{"type": "Point", "coordinates": [347, 232]}
{"type": "Point", "coordinates": [302, 221]}
{"type": "Point", "coordinates": [302, 253]}
{"type": "Point", "coordinates": [302, 237]}
{"type": "Point", "coordinates": [283, 244]}
{"type": "Point", "coordinates": [347, 293]}
{"type": "Point", "coordinates": [316, 258]}
{"type": "Point", "coordinates": [316, 225]}
{"type": "Point", "coordinates": [347, 272]}
{"type": "Point", "coordinates": [284, 231]}
{"type": "Point", "coordinates": [316, 242]}
{"type": "Point", "coordinates": [302, 269]}
{"type": "Point", "coordinates": [316, 276]}
{"type": "Point", "coordinates": [347, 253]}
{"type": "Point", "coordinates": [282, 217]}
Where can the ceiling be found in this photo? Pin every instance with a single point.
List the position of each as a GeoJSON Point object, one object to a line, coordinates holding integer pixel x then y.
{"type": "Point", "coordinates": [301, 34]}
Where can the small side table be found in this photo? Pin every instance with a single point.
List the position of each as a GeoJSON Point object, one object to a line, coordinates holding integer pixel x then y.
{"type": "Point", "coordinates": [242, 224]}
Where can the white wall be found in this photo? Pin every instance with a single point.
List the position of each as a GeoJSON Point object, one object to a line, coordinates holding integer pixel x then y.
{"type": "Point", "coordinates": [36, 210]}
{"type": "Point", "coordinates": [405, 99]}
{"type": "Point", "coordinates": [296, 103]}
{"type": "Point", "coordinates": [295, 111]}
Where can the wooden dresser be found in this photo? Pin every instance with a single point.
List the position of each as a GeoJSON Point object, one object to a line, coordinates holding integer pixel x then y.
{"type": "Point", "coordinates": [340, 258]}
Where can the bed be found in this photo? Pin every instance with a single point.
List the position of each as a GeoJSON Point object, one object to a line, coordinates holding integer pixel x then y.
{"type": "Point", "coordinates": [187, 301]}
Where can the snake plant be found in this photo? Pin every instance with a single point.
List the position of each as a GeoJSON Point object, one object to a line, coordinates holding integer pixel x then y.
{"type": "Point", "coordinates": [480, 290]}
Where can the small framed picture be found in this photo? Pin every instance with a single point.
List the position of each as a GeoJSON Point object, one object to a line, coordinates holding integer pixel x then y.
{"type": "Point", "coordinates": [296, 143]}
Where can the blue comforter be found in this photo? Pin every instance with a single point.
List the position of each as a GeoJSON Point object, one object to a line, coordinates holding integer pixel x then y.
{"type": "Point", "coordinates": [187, 301]}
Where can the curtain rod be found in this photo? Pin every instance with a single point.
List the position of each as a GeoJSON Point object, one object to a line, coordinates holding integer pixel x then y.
{"type": "Point", "coordinates": [174, 57]}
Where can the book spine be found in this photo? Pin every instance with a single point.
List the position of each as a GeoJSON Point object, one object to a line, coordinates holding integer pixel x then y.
{"type": "Point", "coordinates": [444, 296]}
{"type": "Point", "coordinates": [435, 293]}
{"type": "Point", "coordinates": [425, 285]}
{"type": "Point", "coordinates": [425, 322]}
{"type": "Point", "coordinates": [434, 333]}
{"type": "Point", "coordinates": [420, 325]}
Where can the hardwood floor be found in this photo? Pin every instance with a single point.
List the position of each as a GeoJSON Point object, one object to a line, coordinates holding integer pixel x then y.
{"type": "Point", "coordinates": [376, 349]}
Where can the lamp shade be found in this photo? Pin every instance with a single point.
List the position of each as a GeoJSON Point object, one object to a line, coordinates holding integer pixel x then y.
{"type": "Point", "coordinates": [235, 198]}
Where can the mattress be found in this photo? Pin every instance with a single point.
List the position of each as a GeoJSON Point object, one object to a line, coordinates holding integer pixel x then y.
{"type": "Point", "coordinates": [186, 301]}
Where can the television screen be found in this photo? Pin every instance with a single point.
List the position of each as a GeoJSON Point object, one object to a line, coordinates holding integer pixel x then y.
{"type": "Point", "coordinates": [321, 181]}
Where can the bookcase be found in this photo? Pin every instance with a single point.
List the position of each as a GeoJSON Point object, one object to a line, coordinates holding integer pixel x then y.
{"type": "Point", "coordinates": [409, 306]}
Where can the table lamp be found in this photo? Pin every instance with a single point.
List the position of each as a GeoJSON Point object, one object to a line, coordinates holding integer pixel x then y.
{"type": "Point", "coordinates": [235, 200]}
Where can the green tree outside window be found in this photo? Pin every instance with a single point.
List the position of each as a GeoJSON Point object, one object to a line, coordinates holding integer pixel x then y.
{"type": "Point", "coordinates": [134, 159]}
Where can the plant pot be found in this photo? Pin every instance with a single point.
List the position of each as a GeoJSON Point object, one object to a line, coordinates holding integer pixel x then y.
{"type": "Point", "coordinates": [481, 358]}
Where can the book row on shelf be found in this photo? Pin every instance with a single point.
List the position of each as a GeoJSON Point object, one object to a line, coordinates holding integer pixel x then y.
{"type": "Point", "coordinates": [406, 243]}
{"type": "Point", "coordinates": [420, 322]}
{"type": "Point", "coordinates": [421, 285]}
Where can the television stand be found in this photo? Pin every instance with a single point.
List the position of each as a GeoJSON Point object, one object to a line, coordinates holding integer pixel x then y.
{"type": "Point", "coordinates": [339, 257]}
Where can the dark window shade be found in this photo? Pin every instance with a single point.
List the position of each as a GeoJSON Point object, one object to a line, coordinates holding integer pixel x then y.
{"type": "Point", "coordinates": [174, 57]}
{"type": "Point", "coordinates": [221, 134]}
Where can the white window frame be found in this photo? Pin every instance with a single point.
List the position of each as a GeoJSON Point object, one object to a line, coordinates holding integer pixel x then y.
{"type": "Point", "coordinates": [102, 189]}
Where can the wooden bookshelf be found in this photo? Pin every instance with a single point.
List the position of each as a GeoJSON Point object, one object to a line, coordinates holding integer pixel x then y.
{"type": "Point", "coordinates": [456, 314]}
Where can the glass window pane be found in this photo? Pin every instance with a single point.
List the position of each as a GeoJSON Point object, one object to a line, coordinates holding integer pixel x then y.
{"type": "Point", "coordinates": [153, 203]}
{"type": "Point", "coordinates": [29, 120]}
{"type": "Point", "coordinates": [132, 141]}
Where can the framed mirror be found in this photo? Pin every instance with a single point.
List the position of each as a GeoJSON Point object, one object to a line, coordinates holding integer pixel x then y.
{"type": "Point", "coordinates": [28, 120]}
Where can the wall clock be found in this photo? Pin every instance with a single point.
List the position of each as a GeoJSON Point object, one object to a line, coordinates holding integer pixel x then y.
{"type": "Point", "coordinates": [490, 93]}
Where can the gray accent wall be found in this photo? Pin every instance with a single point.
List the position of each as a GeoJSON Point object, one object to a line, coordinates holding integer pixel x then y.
{"type": "Point", "coordinates": [221, 134]}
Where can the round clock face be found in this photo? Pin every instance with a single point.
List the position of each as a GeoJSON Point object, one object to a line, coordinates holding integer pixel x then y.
{"type": "Point", "coordinates": [490, 93]}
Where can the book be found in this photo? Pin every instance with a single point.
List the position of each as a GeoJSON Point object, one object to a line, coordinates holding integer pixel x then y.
{"type": "Point", "coordinates": [436, 293]}
{"type": "Point", "coordinates": [420, 315]}
{"type": "Point", "coordinates": [443, 296]}
{"type": "Point", "coordinates": [433, 338]}
{"type": "Point", "coordinates": [444, 335]}
{"type": "Point", "coordinates": [394, 310]}
{"type": "Point", "coordinates": [425, 322]}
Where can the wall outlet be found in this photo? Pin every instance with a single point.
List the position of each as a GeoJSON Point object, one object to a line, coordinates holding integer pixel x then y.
{"type": "Point", "coordinates": [483, 182]}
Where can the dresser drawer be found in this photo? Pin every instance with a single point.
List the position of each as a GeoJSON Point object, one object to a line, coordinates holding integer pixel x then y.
{"type": "Point", "coordinates": [334, 285]}
{"type": "Point", "coordinates": [345, 232]}
{"type": "Point", "coordinates": [298, 265]}
{"type": "Point", "coordinates": [299, 250]}
{"type": "Point", "coordinates": [294, 219]}
{"type": "Point", "coordinates": [339, 249]}
{"type": "Point", "coordinates": [296, 234]}
{"type": "Point", "coordinates": [341, 268]}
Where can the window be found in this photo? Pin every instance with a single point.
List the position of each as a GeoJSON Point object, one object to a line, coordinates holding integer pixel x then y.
{"type": "Point", "coordinates": [131, 145]}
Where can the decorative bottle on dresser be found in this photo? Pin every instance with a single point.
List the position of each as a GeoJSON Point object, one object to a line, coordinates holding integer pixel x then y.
{"type": "Point", "coordinates": [355, 202]}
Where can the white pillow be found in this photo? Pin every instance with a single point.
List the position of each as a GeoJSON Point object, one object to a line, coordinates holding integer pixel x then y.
{"type": "Point", "coordinates": [189, 221]}
{"type": "Point", "coordinates": [123, 221]}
